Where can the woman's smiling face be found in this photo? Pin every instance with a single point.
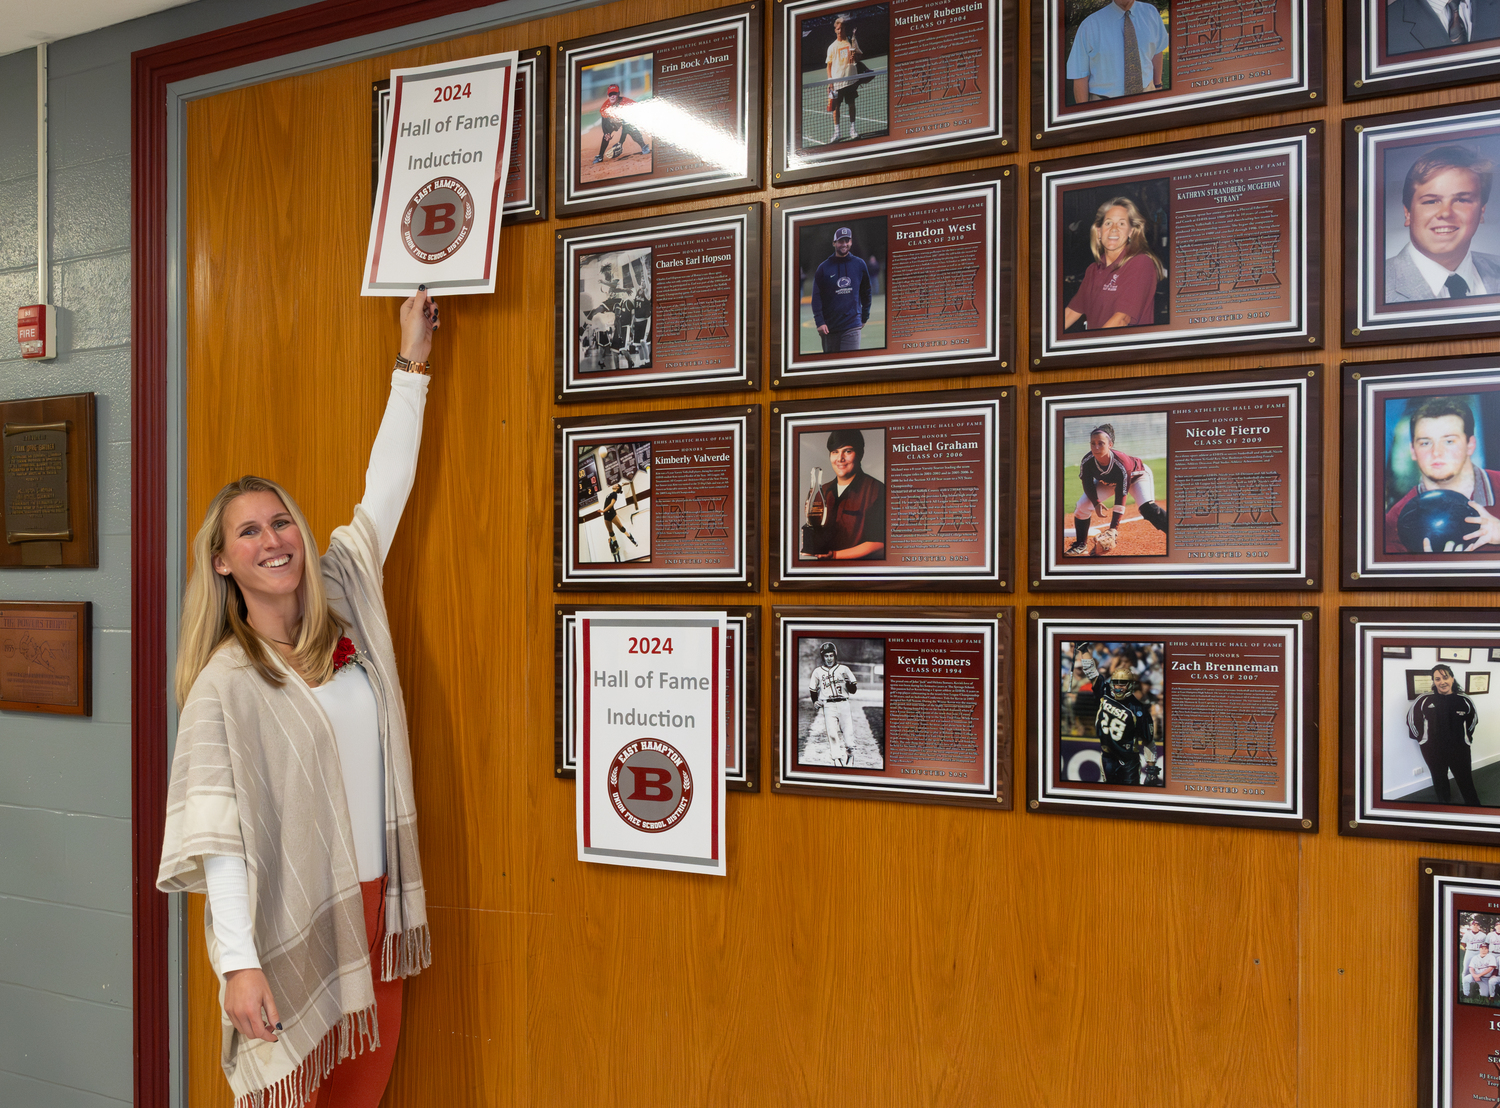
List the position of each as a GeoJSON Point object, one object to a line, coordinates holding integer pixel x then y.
{"type": "Point", "coordinates": [1114, 231]}
{"type": "Point", "coordinates": [263, 549]}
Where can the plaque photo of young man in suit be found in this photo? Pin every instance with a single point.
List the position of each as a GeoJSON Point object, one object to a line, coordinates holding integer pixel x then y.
{"type": "Point", "coordinates": [1438, 245]}
{"type": "Point", "coordinates": [1415, 25]}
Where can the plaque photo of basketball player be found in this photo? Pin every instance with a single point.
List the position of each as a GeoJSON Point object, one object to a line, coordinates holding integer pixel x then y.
{"type": "Point", "coordinates": [1191, 248]}
{"type": "Point", "coordinates": [1423, 259]}
{"type": "Point", "coordinates": [614, 311]}
{"type": "Point", "coordinates": [1420, 742]}
{"type": "Point", "coordinates": [894, 703]}
{"type": "Point", "coordinates": [1187, 715]}
{"type": "Point", "coordinates": [1425, 478]}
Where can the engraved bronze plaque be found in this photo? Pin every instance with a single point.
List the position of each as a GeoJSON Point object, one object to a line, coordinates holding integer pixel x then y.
{"type": "Point", "coordinates": [45, 657]}
{"type": "Point", "coordinates": [49, 487]}
{"type": "Point", "coordinates": [36, 482]}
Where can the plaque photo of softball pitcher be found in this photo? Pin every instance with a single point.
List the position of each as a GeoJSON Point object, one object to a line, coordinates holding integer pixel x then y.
{"type": "Point", "coordinates": [841, 702]}
{"type": "Point", "coordinates": [614, 505]}
{"type": "Point", "coordinates": [1111, 713]}
{"type": "Point", "coordinates": [611, 142]}
{"type": "Point", "coordinates": [1111, 506]}
{"type": "Point", "coordinates": [614, 310]}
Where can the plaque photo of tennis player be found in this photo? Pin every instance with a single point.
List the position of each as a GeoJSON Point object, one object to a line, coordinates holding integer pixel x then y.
{"type": "Point", "coordinates": [1426, 483]}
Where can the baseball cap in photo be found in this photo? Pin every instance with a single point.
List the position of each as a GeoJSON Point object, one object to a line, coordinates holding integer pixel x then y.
{"type": "Point", "coordinates": [612, 90]}
{"type": "Point", "coordinates": [842, 233]}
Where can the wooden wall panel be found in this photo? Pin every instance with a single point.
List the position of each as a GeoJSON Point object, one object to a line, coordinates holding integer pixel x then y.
{"type": "Point", "coordinates": [858, 952]}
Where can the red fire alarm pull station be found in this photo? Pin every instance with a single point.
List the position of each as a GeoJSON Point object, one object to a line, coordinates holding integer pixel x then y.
{"type": "Point", "coordinates": [36, 330]}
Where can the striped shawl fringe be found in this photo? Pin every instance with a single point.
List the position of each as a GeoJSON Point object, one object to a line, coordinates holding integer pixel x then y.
{"type": "Point", "coordinates": [404, 953]}
{"type": "Point", "coordinates": [355, 1033]}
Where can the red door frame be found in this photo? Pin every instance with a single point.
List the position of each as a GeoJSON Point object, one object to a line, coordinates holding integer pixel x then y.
{"type": "Point", "coordinates": [151, 71]}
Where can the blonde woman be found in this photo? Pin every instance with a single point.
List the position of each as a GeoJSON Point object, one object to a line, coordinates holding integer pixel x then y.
{"type": "Point", "coordinates": [1119, 288]}
{"type": "Point", "coordinates": [291, 800]}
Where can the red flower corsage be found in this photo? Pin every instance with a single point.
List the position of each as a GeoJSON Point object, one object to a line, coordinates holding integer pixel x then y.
{"type": "Point", "coordinates": [344, 653]}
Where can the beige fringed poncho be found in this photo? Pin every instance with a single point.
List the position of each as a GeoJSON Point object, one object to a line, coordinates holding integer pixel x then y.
{"type": "Point", "coordinates": [256, 775]}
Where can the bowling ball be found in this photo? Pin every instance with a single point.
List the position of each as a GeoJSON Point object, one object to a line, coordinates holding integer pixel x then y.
{"type": "Point", "coordinates": [1436, 515]}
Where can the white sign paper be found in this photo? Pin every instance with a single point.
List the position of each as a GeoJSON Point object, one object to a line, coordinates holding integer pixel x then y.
{"type": "Point", "coordinates": [649, 700]}
{"type": "Point", "coordinates": [442, 178]}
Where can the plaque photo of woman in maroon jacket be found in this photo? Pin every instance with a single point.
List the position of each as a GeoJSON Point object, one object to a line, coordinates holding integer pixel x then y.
{"type": "Point", "coordinates": [845, 503]}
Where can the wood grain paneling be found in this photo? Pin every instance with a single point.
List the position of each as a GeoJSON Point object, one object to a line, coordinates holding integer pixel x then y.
{"type": "Point", "coordinates": [858, 952]}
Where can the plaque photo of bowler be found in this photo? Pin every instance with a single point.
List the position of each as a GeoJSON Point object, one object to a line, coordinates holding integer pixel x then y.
{"type": "Point", "coordinates": [1209, 246]}
{"type": "Point", "coordinates": [1399, 46]}
{"type": "Point", "coordinates": [1113, 68]}
{"type": "Point", "coordinates": [867, 87]}
{"type": "Point", "coordinates": [741, 688]}
{"type": "Point", "coordinates": [894, 704]}
{"type": "Point", "coordinates": [1185, 482]}
{"type": "Point", "coordinates": [894, 492]}
{"type": "Point", "coordinates": [1419, 750]}
{"type": "Point", "coordinates": [659, 112]}
{"type": "Point", "coordinates": [1421, 483]}
{"type": "Point", "coordinates": [657, 500]}
{"type": "Point", "coordinates": [1187, 715]}
{"type": "Point", "coordinates": [1458, 943]}
{"type": "Point", "coordinates": [663, 305]}
{"type": "Point", "coordinates": [1420, 262]}
{"type": "Point", "coordinates": [893, 282]}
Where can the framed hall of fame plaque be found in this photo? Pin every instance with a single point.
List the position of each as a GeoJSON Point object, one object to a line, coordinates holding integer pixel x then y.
{"type": "Point", "coordinates": [665, 304]}
{"type": "Point", "coordinates": [1420, 262]}
{"type": "Point", "coordinates": [46, 657]}
{"type": "Point", "coordinates": [1399, 46]}
{"type": "Point", "coordinates": [663, 111]}
{"type": "Point", "coordinates": [1421, 481]}
{"type": "Point", "coordinates": [894, 282]}
{"type": "Point", "coordinates": [526, 179]}
{"type": "Point", "coordinates": [1419, 755]}
{"type": "Point", "coordinates": [1210, 246]}
{"type": "Point", "coordinates": [741, 688]}
{"type": "Point", "coordinates": [1200, 481]}
{"type": "Point", "coordinates": [1103, 68]}
{"type": "Point", "coordinates": [1187, 715]}
{"type": "Point", "coordinates": [1458, 932]}
{"type": "Point", "coordinates": [894, 704]}
{"type": "Point", "coordinates": [657, 500]}
{"type": "Point", "coordinates": [894, 492]}
{"type": "Point", "coordinates": [876, 86]}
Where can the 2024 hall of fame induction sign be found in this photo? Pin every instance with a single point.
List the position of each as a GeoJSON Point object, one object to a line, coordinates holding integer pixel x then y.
{"type": "Point", "coordinates": [1190, 482]}
{"type": "Point", "coordinates": [1209, 246]}
{"type": "Point", "coordinates": [657, 500]}
{"type": "Point", "coordinates": [650, 782]}
{"type": "Point", "coordinates": [1458, 931]}
{"type": "Point", "coordinates": [437, 212]}
{"type": "Point", "coordinates": [1186, 715]}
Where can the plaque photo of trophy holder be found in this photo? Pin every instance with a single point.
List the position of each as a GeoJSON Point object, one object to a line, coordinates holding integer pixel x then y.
{"type": "Point", "coordinates": [50, 505]}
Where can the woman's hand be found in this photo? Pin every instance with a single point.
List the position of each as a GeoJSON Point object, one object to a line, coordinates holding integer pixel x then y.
{"type": "Point", "coordinates": [247, 996]}
{"type": "Point", "coordinates": [419, 318]}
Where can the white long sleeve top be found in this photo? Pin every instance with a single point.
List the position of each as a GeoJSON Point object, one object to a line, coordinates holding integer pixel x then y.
{"type": "Point", "coordinates": [348, 699]}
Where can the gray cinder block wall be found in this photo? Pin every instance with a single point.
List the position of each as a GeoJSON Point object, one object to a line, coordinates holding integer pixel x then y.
{"type": "Point", "coordinates": [65, 933]}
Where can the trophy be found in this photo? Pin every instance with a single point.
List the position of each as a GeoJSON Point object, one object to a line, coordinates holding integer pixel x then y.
{"type": "Point", "coordinates": [814, 537]}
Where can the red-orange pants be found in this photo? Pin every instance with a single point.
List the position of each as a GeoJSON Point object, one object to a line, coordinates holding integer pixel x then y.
{"type": "Point", "coordinates": [360, 1082]}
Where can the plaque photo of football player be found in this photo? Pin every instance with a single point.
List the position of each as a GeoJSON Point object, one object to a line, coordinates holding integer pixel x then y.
{"type": "Point", "coordinates": [1113, 506]}
{"type": "Point", "coordinates": [841, 706]}
{"type": "Point", "coordinates": [1111, 713]}
{"type": "Point", "coordinates": [1442, 474]}
{"type": "Point", "coordinates": [614, 505]}
{"type": "Point", "coordinates": [614, 310]}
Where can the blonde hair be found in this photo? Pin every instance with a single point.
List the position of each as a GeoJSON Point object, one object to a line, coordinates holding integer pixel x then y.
{"type": "Point", "coordinates": [213, 608]}
{"type": "Point", "coordinates": [1134, 244]}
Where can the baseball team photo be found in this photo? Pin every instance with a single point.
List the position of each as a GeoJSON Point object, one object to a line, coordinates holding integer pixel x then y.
{"type": "Point", "coordinates": [844, 59]}
{"type": "Point", "coordinates": [1114, 470]}
{"type": "Point", "coordinates": [841, 702]}
{"type": "Point", "coordinates": [1478, 958]}
{"type": "Point", "coordinates": [1442, 474]}
{"type": "Point", "coordinates": [1115, 244]}
{"type": "Point", "coordinates": [1112, 726]}
{"type": "Point", "coordinates": [841, 475]}
{"type": "Point", "coordinates": [842, 279]}
{"type": "Point", "coordinates": [614, 310]}
{"type": "Point", "coordinates": [611, 139]}
{"type": "Point", "coordinates": [614, 502]}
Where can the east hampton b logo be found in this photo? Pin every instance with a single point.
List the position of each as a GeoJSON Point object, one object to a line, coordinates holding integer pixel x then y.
{"type": "Point", "coordinates": [650, 785]}
{"type": "Point", "coordinates": [437, 220]}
